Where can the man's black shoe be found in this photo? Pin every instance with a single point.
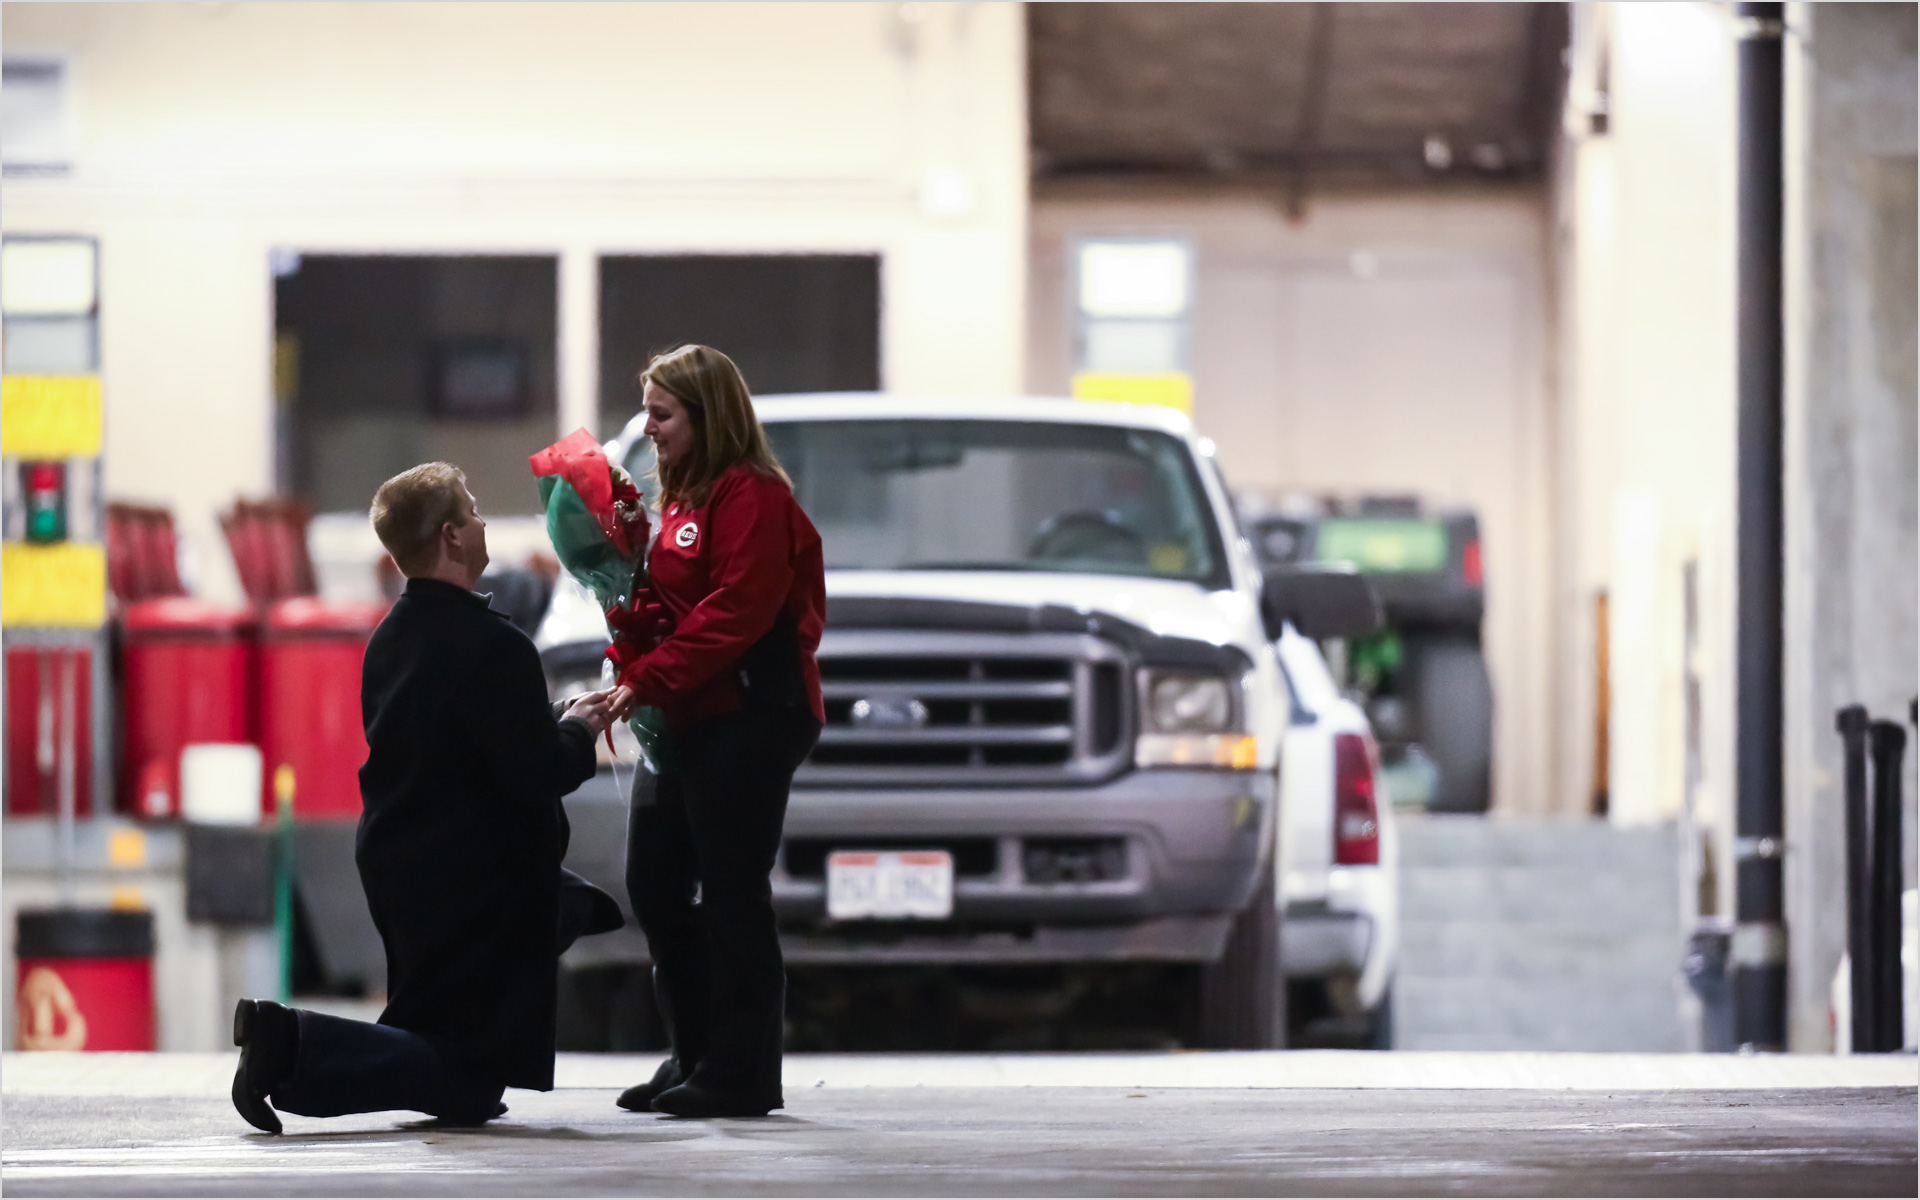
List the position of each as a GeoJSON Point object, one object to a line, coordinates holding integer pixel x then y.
{"type": "Point", "coordinates": [268, 1035]}
{"type": "Point", "coordinates": [639, 1097]}
{"type": "Point", "coordinates": [696, 1098]}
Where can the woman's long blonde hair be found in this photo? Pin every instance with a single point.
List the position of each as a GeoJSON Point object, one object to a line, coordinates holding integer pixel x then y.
{"type": "Point", "coordinates": [717, 403]}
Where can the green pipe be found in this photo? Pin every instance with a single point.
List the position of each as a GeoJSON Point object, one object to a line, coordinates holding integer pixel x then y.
{"type": "Point", "coordinates": [283, 875]}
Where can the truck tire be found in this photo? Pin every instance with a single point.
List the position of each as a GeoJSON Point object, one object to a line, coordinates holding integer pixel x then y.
{"type": "Point", "coordinates": [608, 1008]}
{"type": "Point", "coordinates": [1380, 1023]}
{"type": "Point", "coordinates": [1242, 1001]}
{"type": "Point", "coordinates": [1455, 713]}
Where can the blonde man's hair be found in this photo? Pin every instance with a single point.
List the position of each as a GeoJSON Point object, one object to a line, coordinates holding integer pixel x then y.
{"type": "Point", "coordinates": [410, 509]}
{"type": "Point", "coordinates": [718, 404]}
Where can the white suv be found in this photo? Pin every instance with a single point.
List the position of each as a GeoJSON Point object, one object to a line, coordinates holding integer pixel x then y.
{"type": "Point", "coordinates": [1068, 719]}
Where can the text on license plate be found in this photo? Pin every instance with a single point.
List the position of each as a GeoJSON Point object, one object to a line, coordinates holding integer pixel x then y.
{"type": "Point", "coordinates": [889, 883]}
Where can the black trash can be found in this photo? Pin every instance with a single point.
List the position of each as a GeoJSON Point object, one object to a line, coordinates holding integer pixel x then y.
{"type": "Point", "coordinates": [1705, 966]}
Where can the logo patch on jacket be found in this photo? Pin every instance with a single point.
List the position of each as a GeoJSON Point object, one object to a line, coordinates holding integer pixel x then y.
{"type": "Point", "coordinates": [683, 536]}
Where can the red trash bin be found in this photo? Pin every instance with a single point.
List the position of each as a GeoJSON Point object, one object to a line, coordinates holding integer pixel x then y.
{"type": "Point", "coordinates": [189, 678]}
{"type": "Point", "coordinates": [49, 706]}
{"type": "Point", "coordinates": [310, 702]}
{"type": "Point", "coordinates": [85, 979]}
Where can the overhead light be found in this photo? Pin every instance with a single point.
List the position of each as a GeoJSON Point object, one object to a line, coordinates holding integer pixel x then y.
{"type": "Point", "coordinates": [1438, 153]}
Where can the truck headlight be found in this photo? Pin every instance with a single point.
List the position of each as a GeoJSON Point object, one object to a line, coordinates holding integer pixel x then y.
{"type": "Point", "coordinates": [1191, 720]}
{"type": "Point", "coordinates": [1188, 703]}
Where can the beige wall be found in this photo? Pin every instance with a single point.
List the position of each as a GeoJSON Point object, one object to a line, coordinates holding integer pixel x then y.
{"type": "Point", "coordinates": [1645, 248]}
{"type": "Point", "coordinates": [208, 134]}
{"type": "Point", "coordinates": [1381, 343]}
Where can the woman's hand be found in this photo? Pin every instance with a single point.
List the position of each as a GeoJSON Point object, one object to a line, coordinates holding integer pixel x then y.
{"type": "Point", "coordinates": [627, 702]}
{"type": "Point", "coordinates": [600, 709]}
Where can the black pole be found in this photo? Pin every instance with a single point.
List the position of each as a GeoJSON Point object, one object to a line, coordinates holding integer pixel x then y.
{"type": "Point", "coordinates": [1889, 749]}
{"type": "Point", "coordinates": [1760, 931]}
{"type": "Point", "coordinates": [1853, 725]}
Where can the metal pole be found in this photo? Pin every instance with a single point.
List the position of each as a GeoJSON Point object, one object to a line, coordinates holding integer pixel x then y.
{"type": "Point", "coordinates": [1760, 931]}
{"type": "Point", "coordinates": [1889, 749]}
{"type": "Point", "coordinates": [68, 786]}
{"type": "Point", "coordinates": [1853, 724]}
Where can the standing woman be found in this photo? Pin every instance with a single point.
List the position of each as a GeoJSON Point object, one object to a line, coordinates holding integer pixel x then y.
{"type": "Point", "coordinates": [737, 567]}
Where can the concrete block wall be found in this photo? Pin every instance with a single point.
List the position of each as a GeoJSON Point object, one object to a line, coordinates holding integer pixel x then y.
{"type": "Point", "coordinates": [1538, 935]}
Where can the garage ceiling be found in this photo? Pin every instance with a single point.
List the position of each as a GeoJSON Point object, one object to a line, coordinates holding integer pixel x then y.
{"type": "Point", "coordinates": [1301, 94]}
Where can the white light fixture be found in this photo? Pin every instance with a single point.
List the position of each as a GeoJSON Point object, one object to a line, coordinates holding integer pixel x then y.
{"type": "Point", "coordinates": [1134, 278]}
{"type": "Point", "coordinates": [946, 192]}
{"type": "Point", "coordinates": [47, 277]}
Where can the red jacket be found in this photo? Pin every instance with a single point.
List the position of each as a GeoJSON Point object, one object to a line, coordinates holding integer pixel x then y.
{"type": "Point", "coordinates": [725, 571]}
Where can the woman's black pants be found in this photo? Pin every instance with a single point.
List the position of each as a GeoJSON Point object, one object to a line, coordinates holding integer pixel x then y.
{"type": "Point", "coordinates": [701, 841]}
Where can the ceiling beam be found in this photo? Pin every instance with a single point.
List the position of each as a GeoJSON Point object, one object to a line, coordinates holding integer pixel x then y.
{"type": "Point", "coordinates": [1313, 105]}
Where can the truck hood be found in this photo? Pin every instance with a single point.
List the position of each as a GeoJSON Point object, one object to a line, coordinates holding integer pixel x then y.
{"type": "Point", "coordinates": [1166, 607]}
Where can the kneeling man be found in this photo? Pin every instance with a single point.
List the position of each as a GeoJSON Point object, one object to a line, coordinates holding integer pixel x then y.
{"type": "Point", "coordinates": [460, 843]}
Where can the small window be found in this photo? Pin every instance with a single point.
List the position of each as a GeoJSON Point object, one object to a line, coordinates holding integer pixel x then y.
{"type": "Point", "coordinates": [33, 116]}
{"type": "Point", "coordinates": [49, 293]}
{"type": "Point", "coordinates": [792, 322]}
{"type": "Point", "coordinates": [382, 362]}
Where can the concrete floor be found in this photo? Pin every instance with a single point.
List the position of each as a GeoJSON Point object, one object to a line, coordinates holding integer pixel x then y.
{"type": "Point", "coordinates": [1306, 1123]}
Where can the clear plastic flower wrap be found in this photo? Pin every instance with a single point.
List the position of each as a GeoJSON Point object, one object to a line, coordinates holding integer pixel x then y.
{"type": "Point", "coordinates": [597, 521]}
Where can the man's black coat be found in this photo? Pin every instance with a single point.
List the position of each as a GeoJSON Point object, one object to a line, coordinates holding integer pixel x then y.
{"type": "Point", "coordinates": [462, 831]}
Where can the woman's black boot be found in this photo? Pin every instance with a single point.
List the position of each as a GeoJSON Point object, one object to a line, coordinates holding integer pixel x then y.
{"type": "Point", "coordinates": [639, 1097]}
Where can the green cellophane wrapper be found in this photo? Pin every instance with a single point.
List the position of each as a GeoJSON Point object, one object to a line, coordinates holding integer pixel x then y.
{"type": "Point", "coordinates": [586, 555]}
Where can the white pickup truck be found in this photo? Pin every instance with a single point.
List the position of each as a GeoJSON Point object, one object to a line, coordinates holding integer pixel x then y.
{"type": "Point", "coordinates": [1068, 718]}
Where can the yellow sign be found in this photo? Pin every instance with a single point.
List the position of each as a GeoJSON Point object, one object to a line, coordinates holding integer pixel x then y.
{"type": "Point", "coordinates": [1171, 388]}
{"type": "Point", "coordinates": [64, 585]}
{"type": "Point", "coordinates": [50, 416]}
{"type": "Point", "coordinates": [127, 848]}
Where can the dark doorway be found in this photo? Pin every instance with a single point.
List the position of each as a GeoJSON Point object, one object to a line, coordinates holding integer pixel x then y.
{"type": "Point", "coordinates": [793, 322]}
{"type": "Point", "coordinates": [385, 361]}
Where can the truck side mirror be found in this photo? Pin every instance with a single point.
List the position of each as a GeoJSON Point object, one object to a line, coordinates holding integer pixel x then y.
{"type": "Point", "coordinates": [1321, 601]}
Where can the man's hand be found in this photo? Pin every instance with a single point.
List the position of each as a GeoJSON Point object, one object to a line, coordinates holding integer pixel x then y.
{"type": "Point", "coordinates": [599, 709]}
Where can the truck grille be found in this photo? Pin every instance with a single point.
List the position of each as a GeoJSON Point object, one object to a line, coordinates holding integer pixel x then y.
{"type": "Point", "coordinates": [922, 708]}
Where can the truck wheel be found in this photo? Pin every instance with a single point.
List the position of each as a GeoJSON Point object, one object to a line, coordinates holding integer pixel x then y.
{"type": "Point", "coordinates": [1380, 1023]}
{"type": "Point", "coordinates": [1455, 714]}
{"type": "Point", "coordinates": [1242, 997]}
{"type": "Point", "coordinates": [608, 1008]}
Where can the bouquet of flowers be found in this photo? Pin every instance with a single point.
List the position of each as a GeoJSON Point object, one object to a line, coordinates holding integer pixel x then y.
{"type": "Point", "coordinates": [597, 522]}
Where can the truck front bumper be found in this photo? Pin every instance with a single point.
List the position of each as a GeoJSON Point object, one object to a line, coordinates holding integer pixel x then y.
{"type": "Point", "coordinates": [1179, 853]}
{"type": "Point", "coordinates": [1175, 845]}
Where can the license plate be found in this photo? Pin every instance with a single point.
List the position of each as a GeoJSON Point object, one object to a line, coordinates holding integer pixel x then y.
{"type": "Point", "coordinates": [865, 884]}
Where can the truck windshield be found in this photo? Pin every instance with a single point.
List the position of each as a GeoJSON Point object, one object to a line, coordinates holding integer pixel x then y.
{"type": "Point", "coordinates": [1002, 496]}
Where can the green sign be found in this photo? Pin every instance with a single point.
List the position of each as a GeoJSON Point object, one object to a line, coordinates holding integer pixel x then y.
{"type": "Point", "coordinates": [1383, 545]}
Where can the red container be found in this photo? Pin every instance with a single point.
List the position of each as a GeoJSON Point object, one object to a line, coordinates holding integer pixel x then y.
{"type": "Point", "coordinates": [85, 980]}
{"type": "Point", "coordinates": [189, 678]}
{"type": "Point", "coordinates": [310, 702]}
{"type": "Point", "coordinates": [42, 720]}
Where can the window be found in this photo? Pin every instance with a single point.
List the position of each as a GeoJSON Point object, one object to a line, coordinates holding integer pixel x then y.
{"type": "Point", "coordinates": [383, 362]}
{"type": "Point", "coordinates": [792, 322]}
{"type": "Point", "coordinates": [1132, 300]}
{"type": "Point", "coordinates": [49, 292]}
{"type": "Point", "coordinates": [33, 116]}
